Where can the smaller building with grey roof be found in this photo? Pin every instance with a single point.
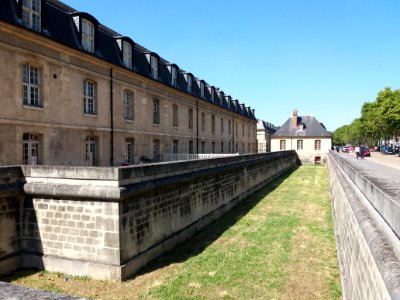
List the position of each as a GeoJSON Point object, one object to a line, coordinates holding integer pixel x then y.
{"type": "Point", "coordinates": [306, 135]}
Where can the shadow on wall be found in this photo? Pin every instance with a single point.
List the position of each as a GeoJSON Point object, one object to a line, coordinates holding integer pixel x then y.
{"type": "Point", "coordinates": [31, 239]}
{"type": "Point", "coordinates": [200, 241]}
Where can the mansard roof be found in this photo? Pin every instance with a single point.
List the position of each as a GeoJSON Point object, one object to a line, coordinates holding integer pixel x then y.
{"type": "Point", "coordinates": [57, 20]}
{"type": "Point", "coordinates": [311, 128]}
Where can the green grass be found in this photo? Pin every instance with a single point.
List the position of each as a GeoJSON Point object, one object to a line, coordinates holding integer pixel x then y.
{"type": "Point", "coordinates": [277, 244]}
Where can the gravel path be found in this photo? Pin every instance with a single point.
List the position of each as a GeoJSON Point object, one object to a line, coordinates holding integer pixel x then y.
{"type": "Point", "coordinates": [15, 292]}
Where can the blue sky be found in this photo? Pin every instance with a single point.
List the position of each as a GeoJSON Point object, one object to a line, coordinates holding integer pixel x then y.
{"type": "Point", "coordinates": [325, 58]}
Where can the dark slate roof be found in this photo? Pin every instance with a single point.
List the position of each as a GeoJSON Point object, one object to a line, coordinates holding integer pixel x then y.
{"type": "Point", "coordinates": [262, 125]}
{"type": "Point", "coordinates": [58, 24]}
{"type": "Point", "coordinates": [312, 128]}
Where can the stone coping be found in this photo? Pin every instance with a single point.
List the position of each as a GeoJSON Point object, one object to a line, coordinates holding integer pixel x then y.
{"type": "Point", "coordinates": [143, 171]}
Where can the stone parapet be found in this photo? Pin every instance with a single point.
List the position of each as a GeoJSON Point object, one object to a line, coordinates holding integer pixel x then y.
{"type": "Point", "coordinates": [368, 248]}
{"type": "Point", "coordinates": [109, 222]}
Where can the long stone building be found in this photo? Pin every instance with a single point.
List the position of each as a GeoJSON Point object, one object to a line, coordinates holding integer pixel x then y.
{"type": "Point", "coordinates": [74, 92]}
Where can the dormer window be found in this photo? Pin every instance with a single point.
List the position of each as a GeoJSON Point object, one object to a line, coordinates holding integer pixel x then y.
{"type": "Point", "coordinates": [189, 83]}
{"type": "Point", "coordinates": [212, 92]}
{"type": "Point", "coordinates": [174, 76]}
{"type": "Point", "coordinates": [31, 14]}
{"type": "Point", "coordinates": [87, 35]}
{"type": "Point", "coordinates": [201, 89]}
{"type": "Point", "coordinates": [301, 126]}
{"type": "Point", "coordinates": [127, 54]}
{"type": "Point", "coordinates": [154, 67]}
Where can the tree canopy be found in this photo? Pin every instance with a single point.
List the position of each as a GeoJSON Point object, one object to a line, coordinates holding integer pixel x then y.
{"type": "Point", "coordinates": [379, 119]}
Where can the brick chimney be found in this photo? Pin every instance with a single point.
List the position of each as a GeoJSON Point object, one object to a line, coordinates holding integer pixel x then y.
{"type": "Point", "coordinates": [294, 118]}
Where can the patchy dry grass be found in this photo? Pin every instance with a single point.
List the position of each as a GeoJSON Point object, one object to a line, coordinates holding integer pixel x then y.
{"type": "Point", "coordinates": [277, 244]}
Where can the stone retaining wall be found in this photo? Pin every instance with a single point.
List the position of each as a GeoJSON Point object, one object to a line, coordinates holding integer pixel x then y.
{"type": "Point", "coordinates": [109, 222]}
{"type": "Point", "coordinates": [368, 246]}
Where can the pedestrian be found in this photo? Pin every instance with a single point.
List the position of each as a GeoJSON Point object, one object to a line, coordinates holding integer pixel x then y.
{"type": "Point", "coordinates": [357, 151]}
{"type": "Point", "coordinates": [362, 149]}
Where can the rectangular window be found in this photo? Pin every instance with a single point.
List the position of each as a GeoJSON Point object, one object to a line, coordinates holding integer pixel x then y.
{"type": "Point", "coordinates": [242, 129]}
{"type": "Point", "coordinates": [299, 144]}
{"type": "Point", "coordinates": [213, 147]}
{"type": "Point", "coordinates": [229, 147]}
{"type": "Point", "coordinates": [156, 150]}
{"type": "Point", "coordinates": [154, 67]}
{"type": "Point", "coordinates": [129, 150]}
{"type": "Point", "coordinates": [31, 85]}
{"type": "Point", "coordinates": [156, 111]}
{"type": "Point", "coordinates": [87, 36]}
{"type": "Point", "coordinates": [175, 147]}
{"type": "Point", "coordinates": [30, 155]}
{"type": "Point", "coordinates": [203, 121]}
{"type": "Point", "coordinates": [318, 145]}
{"type": "Point", "coordinates": [203, 147]}
{"type": "Point", "coordinates": [190, 147]}
{"type": "Point", "coordinates": [128, 105]}
{"type": "Point", "coordinates": [237, 129]}
{"type": "Point", "coordinates": [174, 77]}
{"type": "Point", "coordinates": [190, 118]}
{"type": "Point", "coordinates": [91, 150]}
{"type": "Point", "coordinates": [222, 147]}
{"type": "Point", "coordinates": [212, 123]}
{"type": "Point", "coordinates": [222, 125]}
{"type": "Point", "coordinates": [175, 115]}
{"type": "Point", "coordinates": [201, 89]}
{"type": "Point", "coordinates": [89, 97]}
{"type": "Point", "coordinates": [212, 95]}
{"type": "Point", "coordinates": [229, 127]}
{"type": "Point", "coordinates": [31, 10]}
{"type": "Point", "coordinates": [282, 145]}
{"type": "Point", "coordinates": [127, 54]}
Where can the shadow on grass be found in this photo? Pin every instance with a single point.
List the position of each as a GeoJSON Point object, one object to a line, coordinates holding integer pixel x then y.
{"type": "Point", "coordinates": [19, 274]}
{"type": "Point", "coordinates": [202, 239]}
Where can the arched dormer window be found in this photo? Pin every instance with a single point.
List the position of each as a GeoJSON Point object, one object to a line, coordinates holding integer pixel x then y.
{"type": "Point", "coordinates": [221, 96]}
{"type": "Point", "coordinates": [126, 46]}
{"type": "Point", "coordinates": [189, 82]}
{"type": "Point", "coordinates": [173, 70]}
{"type": "Point", "coordinates": [152, 59]}
{"type": "Point", "coordinates": [31, 13]}
{"type": "Point", "coordinates": [86, 25]}
{"type": "Point", "coordinates": [202, 88]}
{"type": "Point", "coordinates": [212, 93]}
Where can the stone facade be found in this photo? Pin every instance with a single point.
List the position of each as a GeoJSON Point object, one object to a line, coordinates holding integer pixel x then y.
{"type": "Point", "coordinates": [264, 132]}
{"type": "Point", "coordinates": [308, 154]}
{"type": "Point", "coordinates": [109, 222]}
{"type": "Point", "coordinates": [60, 128]}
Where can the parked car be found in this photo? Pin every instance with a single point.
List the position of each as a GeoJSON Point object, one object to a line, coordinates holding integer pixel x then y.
{"type": "Point", "coordinates": [386, 150]}
{"type": "Point", "coordinates": [347, 148]}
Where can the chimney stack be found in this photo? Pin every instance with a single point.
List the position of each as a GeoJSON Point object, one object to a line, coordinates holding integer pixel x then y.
{"type": "Point", "coordinates": [294, 118]}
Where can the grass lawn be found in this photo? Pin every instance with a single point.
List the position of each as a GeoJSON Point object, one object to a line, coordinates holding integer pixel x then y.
{"type": "Point", "coordinates": [277, 244]}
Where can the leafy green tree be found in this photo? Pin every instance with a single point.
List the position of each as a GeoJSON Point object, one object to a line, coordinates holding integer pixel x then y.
{"type": "Point", "coordinates": [388, 102]}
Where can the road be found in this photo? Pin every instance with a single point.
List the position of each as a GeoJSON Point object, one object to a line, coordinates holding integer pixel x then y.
{"type": "Point", "coordinates": [378, 165]}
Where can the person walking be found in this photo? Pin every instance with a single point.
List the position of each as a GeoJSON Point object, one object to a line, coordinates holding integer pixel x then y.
{"type": "Point", "coordinates": [362, 149]}
{"type": "Point", "coordinates": [357, 151]}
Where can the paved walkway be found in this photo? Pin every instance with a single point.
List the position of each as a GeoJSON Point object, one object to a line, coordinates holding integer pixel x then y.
{"type": "Point", "coordinates": [15, 292]}
{"type": "Point", "coordinates": [382, 170]}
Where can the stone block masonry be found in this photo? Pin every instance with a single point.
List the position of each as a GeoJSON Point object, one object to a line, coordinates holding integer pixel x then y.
{"type": "Point", "coordinates": [367, 242]}
{"type": "Point", "coordinates": [107, 223]}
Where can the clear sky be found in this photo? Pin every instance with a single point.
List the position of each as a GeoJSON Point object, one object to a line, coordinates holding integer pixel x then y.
{"type": "Point", "coordinates": [323, 57]}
